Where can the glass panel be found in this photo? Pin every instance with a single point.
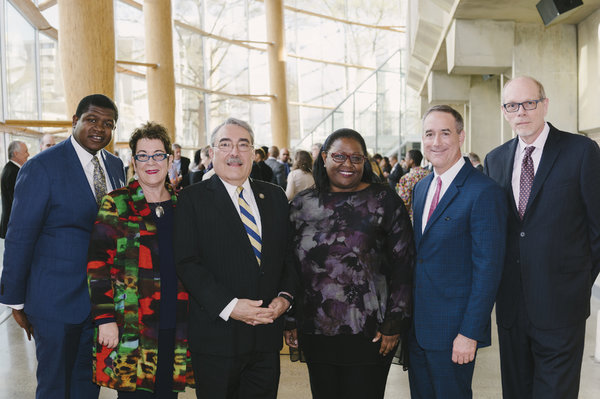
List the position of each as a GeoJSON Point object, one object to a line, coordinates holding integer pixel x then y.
{"type": "Point", "coordinates": [132, 102]}
{"type": "Point", "coordinates": [129, 31]}
{"type": "Point", "coordinates": [20, 66]}
{"type": "Point", "coordinates": [188, 11]}
{"type": "Point", "coordinates": [54, 105]}
{"type": "Point", "coordinates": [51, 15]}
{"type": "Point", "coordinates": [188, 57]}
{"type": "Point", "coordinates": [189, 118]}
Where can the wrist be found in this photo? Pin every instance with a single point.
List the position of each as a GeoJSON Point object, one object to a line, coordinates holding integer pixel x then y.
{"type": "Point", "coordinates": [288, 298]}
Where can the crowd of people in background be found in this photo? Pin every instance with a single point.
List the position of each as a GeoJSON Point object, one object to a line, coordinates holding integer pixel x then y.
{"type": "Point", "coordinates": [190, 272]}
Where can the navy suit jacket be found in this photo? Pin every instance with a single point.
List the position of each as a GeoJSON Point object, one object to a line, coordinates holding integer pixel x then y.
{"type": "Point", "coordinates": [459, 259]}
{"type": "Point", "coordinates": [553, 254]}
{"type": "Point", "coordinates": [45, 256]}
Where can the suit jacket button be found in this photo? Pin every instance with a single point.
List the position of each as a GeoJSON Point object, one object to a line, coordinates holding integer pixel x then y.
{"type": "Point", "coordinates": [522, 234]}
{"type": "Point", "coordinates": [262, 273]}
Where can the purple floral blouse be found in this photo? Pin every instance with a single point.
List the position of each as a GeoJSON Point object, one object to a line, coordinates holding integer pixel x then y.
{"type": "Point", "coordinates": [355, 253]}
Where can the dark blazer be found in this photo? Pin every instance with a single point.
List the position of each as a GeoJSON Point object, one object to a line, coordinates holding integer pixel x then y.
{"type": "Point", "coordinates": [395, 175]}
{"type": "Point", "coordinates": [459, 259]}
{"type": "Point", "coordinates": [553, 255]}
{"type": "Point", "coordinates": [216, 263]}
{"type": "Point", "coordinates": [46, 246]}
{"type": "Point", "coordinates": [185, 168]}
{"type": "Point", "coordinates": [279, 175]}
{"type": "Point", "coordinates": [8, 178]}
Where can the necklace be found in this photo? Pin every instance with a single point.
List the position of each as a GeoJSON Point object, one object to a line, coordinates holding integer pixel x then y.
{"type": "Point", "coordinates": [159, 211]}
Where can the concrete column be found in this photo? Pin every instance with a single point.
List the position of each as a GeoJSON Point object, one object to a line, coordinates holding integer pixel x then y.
{"type": "Point", "coordinates": [87, 49]}
{"type": "Point", "coordinates": [588, 43]}
{"type": "Point", "coordinates": [159, 50]}
{"type": "Point", "coordinates": [485, 116]}
{"type": "Point", "coordinates": [550, 56]}
{"type": "Point", "coordinates": [276, 53]}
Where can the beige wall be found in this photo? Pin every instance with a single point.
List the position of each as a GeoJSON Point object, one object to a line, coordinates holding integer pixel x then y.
{"type": "Point", "coordinates": [588, 47]}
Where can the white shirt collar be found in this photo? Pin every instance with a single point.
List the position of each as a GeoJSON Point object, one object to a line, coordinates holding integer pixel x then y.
{"type": "Point", "coordinates": [539, 142]}
{"type": "Point", "coordinates": [84, 156]}
{"type": "Point", "coordinates": [231, 189]}
{"type": "Point", "coordinates": [450, 174]}
{"type": "Point", "coordinates": [15, 163]}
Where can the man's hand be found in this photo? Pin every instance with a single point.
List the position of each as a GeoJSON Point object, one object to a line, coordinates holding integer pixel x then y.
{"type": "Point", "coordinates": [463, 349]}
{"type": "Point", "coordinates": [388, 342]}
{"type": "Point", "coordinates": [291, 338]}
{"type": "Point", "coordinates": [250, 312]}
{"type": "Point", "coordinates": [21, 319]}
{"type": "Point", "coordinates": [279, 305]}
{"type": "Point", "coordinates": [108, 335]}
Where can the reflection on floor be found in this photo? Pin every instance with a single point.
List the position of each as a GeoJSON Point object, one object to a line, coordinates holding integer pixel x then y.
{"type": "Point", "coordinates": [17, 370]}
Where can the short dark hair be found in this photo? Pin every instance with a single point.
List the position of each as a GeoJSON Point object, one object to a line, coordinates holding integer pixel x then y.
{"type": "Point", "coordinates": [416, 156]}
{"type": "Point", "coordinates": [260, 152]}
{"type": "Point", "coordinates": [150, 131]}
{"type": "Point", "coordinates": [99, 100]}
{"type": "Point", "coordinates": [197, 157]}
{"type": "Point", "coordinates": [303, 161]}
{"type": "Point", "coordinates": [460, 124]}
{"type": "Point", "coordinates": [319, 171]}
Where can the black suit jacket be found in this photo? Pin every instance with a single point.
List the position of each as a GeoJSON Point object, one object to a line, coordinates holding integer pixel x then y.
{"type": "Point", "coordinates": [185, 168]}
{"type": "Point", "coordinates": [216, 263]}
{"type": "Point", "coordinates": [553, 255]}
{"type": "Point", "coordinates": [395, 175]}
{"type": "Point", "coordinates": [8, 178]}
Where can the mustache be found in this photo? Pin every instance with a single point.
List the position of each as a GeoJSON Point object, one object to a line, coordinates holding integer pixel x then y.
{"type": "Point", "coordinates": [234, 160]}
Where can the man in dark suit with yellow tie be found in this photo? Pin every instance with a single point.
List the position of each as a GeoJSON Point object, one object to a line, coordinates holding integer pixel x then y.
{"type": "Point", "coordinates": [230, 248]}
{"type": "Point", "coordinates": [552, 183]}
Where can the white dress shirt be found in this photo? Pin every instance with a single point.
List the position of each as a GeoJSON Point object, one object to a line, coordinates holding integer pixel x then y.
{"type": "Point", "coordinates": [446, 178]}
{"type": "Point", "coordinates": [88, 167]}
{"type": "Point", "coordinates": [536, 157]}
{"type": "Point", "coordinates": [249, 197]}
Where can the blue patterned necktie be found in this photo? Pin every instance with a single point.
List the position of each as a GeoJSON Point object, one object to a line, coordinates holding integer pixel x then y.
{"type": "Point", "coordinates": [250, 224]}
{"type": "Point", "coordinates": [99, 181]}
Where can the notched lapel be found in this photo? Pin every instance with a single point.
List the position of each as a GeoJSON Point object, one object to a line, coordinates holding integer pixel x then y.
{"type": "Point", "coordinates": [549, 155]}
{"type": "Point", "coordinates": [76, 175]}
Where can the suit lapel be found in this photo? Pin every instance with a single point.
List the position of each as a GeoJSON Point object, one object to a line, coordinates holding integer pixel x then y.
{"type": "Point", "coordinates": [452, 191]}
{"type": "Point", "coordinates": [418, 205]}
{"type": "Point", "coordinates": [230, 215]}
{"type": "Point", "coordinates": [266, 221]}
{"type": "Point", "coordinates": [76, 174]}
{"type": "Point", "coordinates": [112, 171]}
{"type": "Point", "coordinates": [507, 175]}
{"type": "Point", "coordinates": [549, 155]}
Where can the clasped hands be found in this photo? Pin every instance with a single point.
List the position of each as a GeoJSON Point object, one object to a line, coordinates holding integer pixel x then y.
{"type": "Point", "coordinates": [251, 312]}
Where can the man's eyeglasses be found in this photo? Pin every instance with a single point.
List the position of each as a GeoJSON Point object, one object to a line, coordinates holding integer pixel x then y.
{"type": "Point", "coordinates": [527, 105]}
{"type": "Point", "coordinates": [227, 146]}
{"type": "Point", "coordinates": [340, 157]}
{"type": "Point", "coordinates": [145, 157]}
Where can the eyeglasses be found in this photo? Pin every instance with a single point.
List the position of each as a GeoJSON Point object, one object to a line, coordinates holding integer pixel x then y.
{"type": "Point", "coordinates": [227, 146]}
{"type": "Point", "coordinates": [145, 157]}
{"type": "Point", "coordinates": [106, 124]}
{"type": "Point", "coordinates": [340, 157]}
{"type": "Point", "coordinates": [527, 105]}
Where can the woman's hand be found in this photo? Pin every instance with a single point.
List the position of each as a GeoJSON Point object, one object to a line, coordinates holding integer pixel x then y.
{"type": "Point", "coordinates": [108, 335]}
{"type": "Point", "coordinates": [388, 342]}
{"type": "Point", "coordinates": [291, 338]}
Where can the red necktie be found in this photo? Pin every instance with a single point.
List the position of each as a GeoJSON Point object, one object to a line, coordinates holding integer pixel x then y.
{"type": "Point", "coordinates": [436, 197]}
{"type": "Point", "coordinates": [526, 180]}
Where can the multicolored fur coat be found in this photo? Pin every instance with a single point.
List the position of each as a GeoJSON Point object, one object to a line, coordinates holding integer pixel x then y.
{"type": "Point", "coordinates": [124, 284]}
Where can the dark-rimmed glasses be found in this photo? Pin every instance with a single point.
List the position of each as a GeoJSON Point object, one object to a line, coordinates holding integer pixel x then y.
{"type": "Point", "coordinates": [145, 157]}
{"type": "Point", "coordinates": [527, 105]}
{"type": "Point", "coordinates": [340, 157]}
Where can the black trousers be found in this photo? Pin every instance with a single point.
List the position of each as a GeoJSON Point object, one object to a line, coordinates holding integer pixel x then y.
{"type": "Point", "coordinates": [540, 363]}
{"type": "Point", "coordinates": [250, 376]}
{"type": "Point", "coordinates": [330, 381]}
{"type": "Point", "coordinates": [164, 371]}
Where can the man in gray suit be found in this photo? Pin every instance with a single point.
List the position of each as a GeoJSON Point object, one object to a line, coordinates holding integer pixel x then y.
{"type": "Point", "coordinates": [279, 176]}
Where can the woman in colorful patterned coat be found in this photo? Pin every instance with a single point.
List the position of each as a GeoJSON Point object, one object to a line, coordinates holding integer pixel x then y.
{"type": "Point", "coordinates": [138, 304]}
{"type": "Point", "coordinates": [353, 243]}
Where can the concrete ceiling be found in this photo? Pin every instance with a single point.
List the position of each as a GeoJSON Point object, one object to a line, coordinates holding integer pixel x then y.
{"type": "Point", "coordinates": [523, 11]}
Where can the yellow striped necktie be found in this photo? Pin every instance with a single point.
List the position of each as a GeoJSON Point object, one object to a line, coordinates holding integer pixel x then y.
{"type": "Point", "coordinates": [250, 224]}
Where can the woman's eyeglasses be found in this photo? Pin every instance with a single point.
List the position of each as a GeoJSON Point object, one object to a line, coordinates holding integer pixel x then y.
{"type": "Point", "coordinates": [145, 157]}
{"type": "Point", "coordinates": [340, 157]}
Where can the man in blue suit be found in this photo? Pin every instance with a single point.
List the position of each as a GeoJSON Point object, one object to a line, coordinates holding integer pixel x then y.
{"type": "Point", "coordinates": [552, 183]}
{"type": "Point", "coordinates": [45, 258]}
{"type": "Point", "coordinates": [460, 232]}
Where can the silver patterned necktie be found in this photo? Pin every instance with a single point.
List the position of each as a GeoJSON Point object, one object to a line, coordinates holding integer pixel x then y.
{"type": "Point", "coordinates": [99, 181]}
{"type": "Point", "coordinates": [526, 180]}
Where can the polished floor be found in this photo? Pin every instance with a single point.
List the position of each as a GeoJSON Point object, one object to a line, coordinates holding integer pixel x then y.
{"type": "Point", "coordinates": [17, 369]}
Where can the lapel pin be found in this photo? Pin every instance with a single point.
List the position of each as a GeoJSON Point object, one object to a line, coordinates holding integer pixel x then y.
{"type": "Point", "coordinates": [261, 196]}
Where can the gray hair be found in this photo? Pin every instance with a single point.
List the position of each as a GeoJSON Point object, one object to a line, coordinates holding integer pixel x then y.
{"type": "Point", "coordinates": [14, 147]}
{"type": "Point", "coordinates": [232, 121]}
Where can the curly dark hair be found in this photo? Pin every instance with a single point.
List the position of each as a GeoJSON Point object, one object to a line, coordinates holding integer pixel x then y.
{"type": "Point", "coordinates": [319, 171]}
{"type": "Point", "coordinates": [150, 131]}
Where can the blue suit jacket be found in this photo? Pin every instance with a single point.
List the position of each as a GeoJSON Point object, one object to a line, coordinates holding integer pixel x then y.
{"type": "Point", "coordinates": [45, 256]}
{"type": "Point", "coordinates": [459, 259]}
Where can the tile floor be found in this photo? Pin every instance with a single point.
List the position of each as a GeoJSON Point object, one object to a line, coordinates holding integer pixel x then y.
{"type": "Point", "coordinates": [17, 369]}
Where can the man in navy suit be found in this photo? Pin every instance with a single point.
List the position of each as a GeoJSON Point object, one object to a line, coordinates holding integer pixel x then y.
{"type": "Point", "coordinates": [460, 232]}
{"type": "Point", "coordinates": [551, 181]}
{"type": "Point", "coordinates": [45, 258]}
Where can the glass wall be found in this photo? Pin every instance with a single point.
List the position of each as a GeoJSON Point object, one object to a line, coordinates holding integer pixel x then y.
{"type": "Point", "coordinates": [221, 68]}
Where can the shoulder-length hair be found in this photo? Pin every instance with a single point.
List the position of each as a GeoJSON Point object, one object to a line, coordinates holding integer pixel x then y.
{"type": "Point", "coordinates": [319, 171]}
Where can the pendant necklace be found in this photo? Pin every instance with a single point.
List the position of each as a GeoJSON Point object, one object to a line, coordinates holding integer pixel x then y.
{"type": "Point", "coordinates": [159, 211]}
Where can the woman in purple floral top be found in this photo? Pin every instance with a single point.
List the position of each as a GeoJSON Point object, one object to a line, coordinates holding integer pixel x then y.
{"type": "Point", "coordinates": [353, 243]}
